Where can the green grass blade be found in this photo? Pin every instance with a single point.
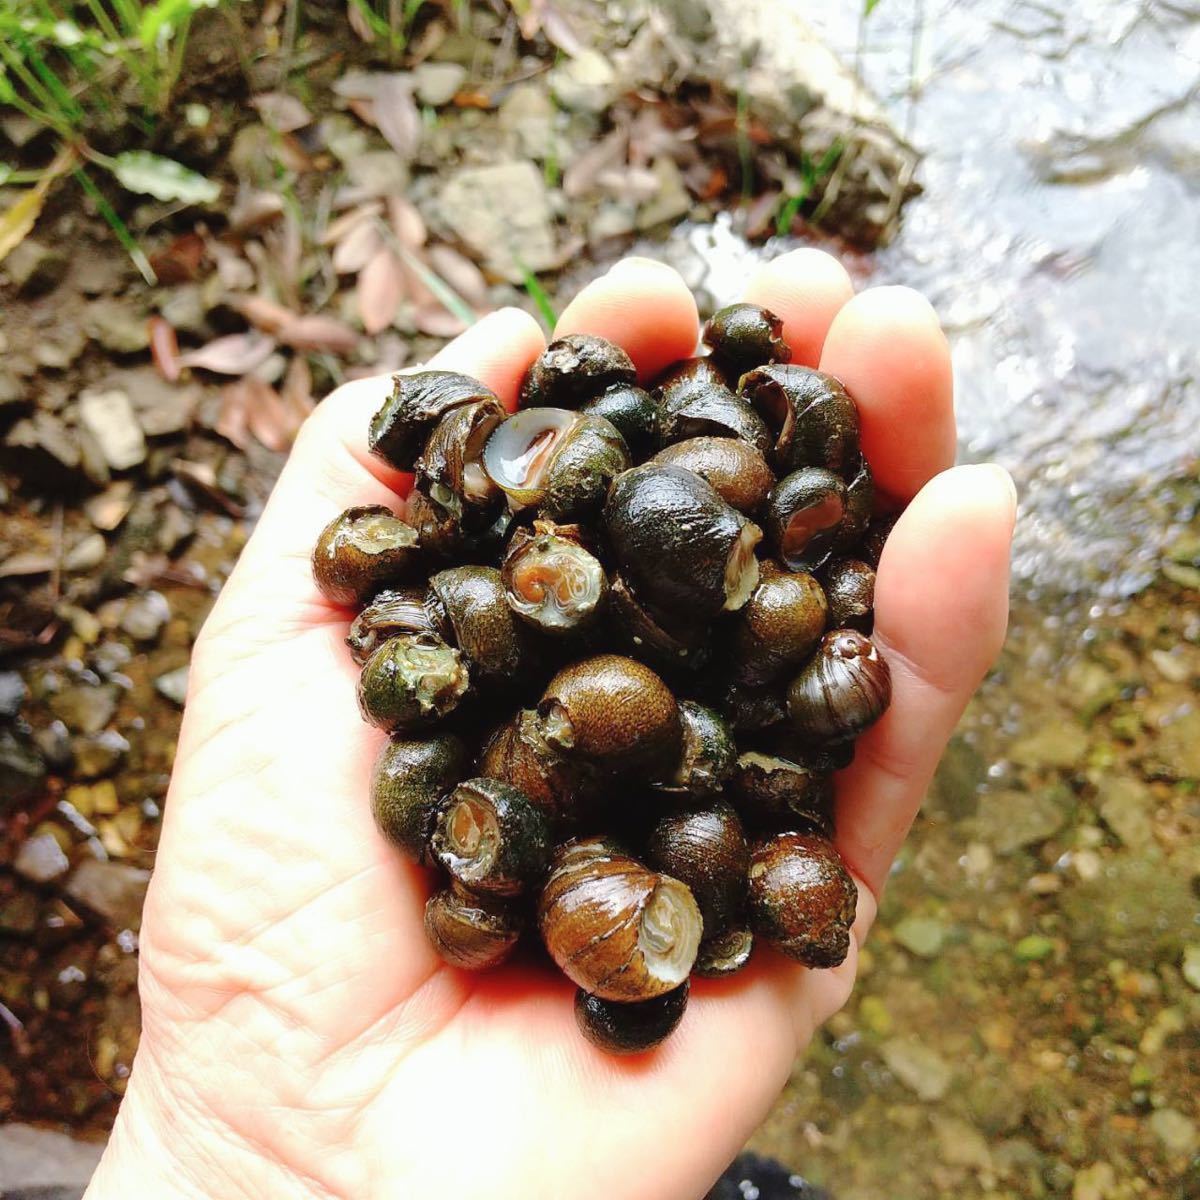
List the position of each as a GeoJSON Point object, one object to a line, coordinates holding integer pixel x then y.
{"type": "Point", "coordinates": [119, 228]}
{"type": "Point", "coordinates": [538, 295]}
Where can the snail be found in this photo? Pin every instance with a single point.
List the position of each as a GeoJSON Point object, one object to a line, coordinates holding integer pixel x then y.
{"type": "Point", "coordinates": [616, 928]}
{"type": "Point", "coordinates": [744, 336]}
{"type": "Point", "coordinates": [779, 626]}
{"type": "Point", "coordinates": [392, 612]}
{"type": "Point", "coordinates": [631, 624]}
{"type": "Point", "coordinates": [551, 580]}
{"type": "Point", "coordinates": [630, 1028]}
{"type": "Point", "coordinates": [680, 546]}
{"type": "Point", "coordinates": [714, 413]}
{"type": "Point", "coordinates": [860, 503]}
{"type": "Point", "coordinates": [804, 516]}
{"type": "Point", "coordinates": [450, 469]}
{"type": "Point", "coordinates": [752, 708]}
{"type": "Point", "coordinates": [411, 681]}
{"type": "Point", "coordinates": [850, 588]}
{"type": "Point", "coordinates": [870, 548]}
{"type": "Point", "coordinates": [773, 792]}
{"type": "Point", "coordinates": [492, 839]}
{"type": "Point", "coordinates": [725, 954]}
{"type": "Point", "coordinates": [573, 369]}
{"type": "Point", "coordinates": [470, 931]}
{"type": "Point", "coordinates": [465, 534]}
{"type": "Point", "coordinates": [612, 711]}
{"type": "Point", "coordinates": [708, 753]}
{"type": "Point", "coordinates": [632, 410]}
{"type": "Point", "coordinates": [735, 468]}
{"type": "Point", "coordinates": [687, 379]}
{"type": "Point", "coordinates": [402, 425]}
{"type": "Point", "coordinates": [556, 461]}
{"type": "Point", "coordinates": [842, 690]}
{"type": "Point", "coordinates": [801, 897]}
{"type": "Point", "coordinates": [408, 784]}
{"type": "Point", "coordinates": [362, 550]}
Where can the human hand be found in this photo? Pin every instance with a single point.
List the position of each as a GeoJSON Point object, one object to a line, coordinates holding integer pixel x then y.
{"type": "Point", "coordinates": [300, 1038]}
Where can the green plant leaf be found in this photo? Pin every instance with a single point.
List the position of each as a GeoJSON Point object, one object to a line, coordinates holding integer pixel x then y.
{"type": "Point", "coordinates": [162, 178]}
{"type": "Point", "coordinates": [161, 19]}
{"type": "Point", "coordinates": [869, 7]}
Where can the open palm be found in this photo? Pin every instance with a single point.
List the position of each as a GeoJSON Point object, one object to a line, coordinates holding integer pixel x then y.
{"type": "Point", "coordinates": [300, 1038]}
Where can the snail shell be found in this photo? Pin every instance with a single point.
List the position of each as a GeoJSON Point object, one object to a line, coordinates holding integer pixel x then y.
{"type": "Point", "coordinates": [612, 711]}
{"type": "Point", "coordinates": [551, 580]}
{"type": "Point", "coordinates": [736, 469]}
{"type": "Point", "coordinates": [804, 517]}
{"type": "Point", "coordinates": [679, 544]}
{"type": "Point", "coordinates": [860, 503]}
{"type": "Point", "coordinates": [850, 588]}
{"type": "Point", "coordinates": [450, 469]}
{"type": "Point", "coordinates": [362, 550]}
{"type": "Point", "coordinates": [814, 421]}
{"type": "Point", "coordinates": [773, 792]}
{"type": "Point", "coordinates": [779, 626]}
{"type": "Point", "coordinates": [616, 928]}
{"type": "Point", "coordinates": [492, 839]}
{"type": "Point", "coordinates": [687, 379]}
{"type": "Point", "coordinates": [744, 336]}
{"type": "Point", "coordinates": [573, 369]}
{"type": "Point", "coordinates": [633, 411]}
{"type": "Point", "coordinates": [706, 850]}
{"type": "Point", "coordinates": [752, 707]}
{"type": "Point", "coordinates": [870, 547]}
{"type": "Point", "coordinates": [469, 931]}
{"type": "Point", "coordinates": [406, 418]}
{"type": "Point", "coordinates": [709, 753]}
{"type": "Point", "coordinates": [392, 612]}
{"type": "Point", "coordinates": [725, 954]}
{"type": "Point", "coordinates": [802, 898]}
{"type": "Point", "coordinates": [408, 784]}
{"type": "Point", "coordinates": [411, 681]}
{"type": "Point", "coordinates": [476, 535]}
{"type": "Point", "coordinates": [631, 623]}
{"type": "Point", "coordinates": [630, 1028]}
{"type": "Point", "coordinates": [715, 413]}
{"type": "Point", "coordinates": [843, 689]}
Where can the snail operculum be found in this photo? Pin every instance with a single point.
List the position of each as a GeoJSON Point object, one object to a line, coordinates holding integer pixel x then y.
{"type": "Point", "coordinates": [362, 550]}
{"type": "Point", "coordinates": [552, 580]}
{"type": "Point", "coordinates": [411, 681]}
{"type": "Point", "coordinates": [708, 754]}
{"type": "Point", "coordinates": [725, 954]}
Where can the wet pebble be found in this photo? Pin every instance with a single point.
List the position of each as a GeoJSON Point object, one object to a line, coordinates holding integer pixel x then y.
{"type": "Point", "coordinates": [114, 891]}
{"type": "Point", "coordinates": [1174, 1130]}
{"type": "Point", "coordinates": [1009, 820]}
{"type": "Point", "coordinates": [922, 936]}
{"type": "Point", "coordinates": [145, 615]}
{"type": "Point", "coordinates": [436, 83]}
{"type": "Point", "coordinates": [86, 708]}
{"type": "Point", "coordinates": [109, 418]}
{"type": "Point", "coordinates": [12, 693]}
{"type": "Point", "coordinates": [921, 1069]}
{"type": "Point", "coordinates": [1125, 805]}
{"type": "Point", "coordinates": [40, 859]}
{"type": "Point", "coordinates": [87, 553]}
{"type": "Point", "coordinates": [98, 754]}
{"type": "Point", "coordinates": [21, 769]}
{"type": "Point", "coordinates": [1058, 744]}
{"type": "Point", "coordinates": [173, 685]}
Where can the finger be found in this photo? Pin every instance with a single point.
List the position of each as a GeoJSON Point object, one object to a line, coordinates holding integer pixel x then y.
{"type": "Point", "coordinates": [642, 305]}
{"type": "Point", "coordinates": [806, 289]}
{"type": "Point", "coordinates": [941, 609]}
{"type": "Point", "coordinates": [887, 347]}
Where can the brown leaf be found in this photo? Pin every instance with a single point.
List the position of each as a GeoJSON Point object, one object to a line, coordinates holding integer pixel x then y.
{"type": "Point", "coordinates": [234, 272]}
{"type": "Point", "coordinates": [234, 354]}
{"type": "Point", "coordinates": [407, 223]}
{"type": "Point", "coordinates": [437, 322]}
{"type": "Point", "coordinates": [580, 177]}
{"type": "Point", "coordinates": [263, 313]}
{"type": "Point", "coordinates": [180, 261]}
{"type": "Point", "coordinates": [233, 416]}
{"type": "Point", "coordinates": [270, 420]}
{"type": "Point", "coordinates": [555, 26]}
{"type": "Point", "coordinates": [357, 248]}
{"type": "Point", "coordinates": [461, 274]}
{"type": "Point", "coordinates": [319, 332]}
{"type": "Point", "coordinates": [380, 290]}
{"type": "Point", "coordinates": [282, 112]}
{"type": "Point", "coordinates": [254, 207]}
{"type": "Point", "coordinates": [340, 226]}
{"type": "Point", "coordinates": [164, 348]}
{"type": "Point", "coordinates": [297, 389]}
{"type": "Point", "coordinates": [397, 117]}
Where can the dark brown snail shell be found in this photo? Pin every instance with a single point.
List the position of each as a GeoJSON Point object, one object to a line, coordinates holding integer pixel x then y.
{"type": "Point", "coordinates": [802, 898]}
{"type": "Point", "coordinates": [870, 546]}
{"type": "Point", "coordinates": [744, 336]}
{"type": "Point", "coordinates": [687, 379]}
{"type": "Point", "coordinates": [392, 612]}
{"type": "Point", "coordinates": [773, 792]}
{"type": "Point", "coordinates": [613, 711]}
{"type": "Point", "coordinates": [411, 682]}
{"type": "Point", "coordinates": [633, 411]}
{"type": "Point", "coordinates": [814, 421]}
{"type": "Point", "coordinates": [709, 753]}
{"type": "Point", "coordinates": [803, 517]}
{"type": "Point", "coordinates": [408, 785]}
{"type": "Point", "coordinates": [616, 928]}
{"type": "Point", "coordinates": [706, 849]}
{"type": "Point", "coordinates": [450, 469]}
{"type": "Point", "coordinates": [850, 589]}
{"type": "Point", "coordinates": [470, 535]}
{"type": "Point", "coordinates": [843, 689]}
{"type": "Point", "coordinates": [573, 369]}
{"type": "Point", "coordinates": [469, 931]}
{"type": "Point", "coordinates": [631, 623]}
{"type": "Point", "coordinates": [860, 503]}
{"type": "Point", "coordinates": [471, 611]}
{"type": "Point", "coordinates": [716, 413]}
{"type": "Point", "coordinates": [725, 954]}
{"type": "Point", "coordinates": [753, 707]}
{"type": "Point", "coordinates": [361, 551]}
{"type": "Point", "coordinates": [737, 471]}
{"type": "Point", "coordinates": [492, 839]}
{"type": "Point", "coordinates": [401, 427]}
{"type": "Point", "coordinates": [552, 581]}
{"type": "Point", "coordinates": [779, 626]}
{"type": "Point", "coordinates": [630, 1028]}
{"type": "Point", "coordinates": [680, 546]}
{"type": "Point", "coordinates": [556, 461]}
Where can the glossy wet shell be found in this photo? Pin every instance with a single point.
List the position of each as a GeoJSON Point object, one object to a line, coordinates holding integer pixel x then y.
{"type": "Point", "coordinates": [411, 682]}
{"type": "Point", "coordinates": [472, 536]}
{"type": "Point", "coordinates": [753, 707]}
{"type": "Point", "coordinates": [718, 413]}
{"type": "Point", "coordinates": [802, 898]}
{"type": "Point", "coordinates": [392, 612]}
{"type": "Point", "coordinates": [860, 503]}
{"type": "Point", "coordinates": [689, 378]}
{"type": "Point", "coordinates": [616, 928]}
{"type": "Point", "coordinates": [709, 752]}
{"type": "Point", "coordinates": [613, 711]}
{"type": "Point", "coordinates": [814, 421]}
{"type": "Point", "coordinates": [773, 792]}
{"type": "Point", "coordinates": [744, 336]}
{"type": "Point", "coordinates": [681, 547]}
{"type": "Point", "coordinates": [632, 624]}
{"type": "Point", "coordinates": [804, 517]}
{"type": "Point", "coordinates": [552, 581]}
{"type": "Point", "coordinates": [402, 425]}
{"type": "Point", "coordinates": [573, 369]}
{"type": "Point", "coordinates": [870, 548]}
{"type": "Point", "coordinates": [618, 1028]}
{"type": "Point", "coordinates": [736, 470]}
{"type": "Point", "coordinates": [450, 469]}
{"type": "Point", "coordinates": [779, 627]}
{"type": "Point", "coordinates": [724, 955]}
{"type": "Point", "coordinates": [850, 589]}
{"type": "Point", "coordinates": [361, 551]}
{"type": "Point", "coordinates": [470, 932]}
{"type": "Point", "coordinates": [842, 690]}
{"type": "Point", "coordinates": [408, 785]}
{"type": "Point", "coordinates": [483, 627]}
{"type": "Point", "coordinates": [706, 849]}
{"type": "Point", "coordinates": [491, 838]}
{"type": "Point", "coordinates": [633, 411]}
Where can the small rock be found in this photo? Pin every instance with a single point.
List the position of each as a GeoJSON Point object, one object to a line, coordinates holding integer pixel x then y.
{"type": "Point", "coordinates": [96, 274]}
{"type": "Point", "coordinates": [502, 213]}
{"type": "Point", "coordinates": [85, 708]}
{"type": "Point", "coordinates": [96, 799]}
{"type": "Point", "coordinates": [13, 393]}
{"type": "Point", "coordinates": [1176, 753]}
{"type": "Point", "coordinates": [162, 408]}
{"type": "Point", "coordinates": [1096, 1182]}
{"type": "Point", "coordinates": [21, 769]}
{"type": "Point", "coordinates": [961, 1144]}
{"type": "Point", "coordinates": [18, 915]}
{"type": "Point", "coordinates": [378, 173]}
{"type": "Point", "coordinates": [44, 1161]}
{"type": "Point", "coordinates": [1176, 1131]}
{"type": "Point", "coordinates": [177, 526]}
{"type": "Point", "coordinates": [528, 113]}
{"type": "Point", "coordinates": [922, 936]}
{"type": "Point", "coordinates": [919, 1068]}
{"type": "Point", "coordinates": [110, 419]}
{"type": "Point", "coordinates": [35, 267]}
{"type": "Point", "coordinates": [670, 202]}
{"type": "Point", "coordinates": [41, 859]}
{"type": "Point", "coordinates": [87, 553]}
{"type": "Point", "coordinates": [1171, 664]}
{"type": "Point", "coordinates": [183, 307]}
{"type": "Point", "coordinates": [107, 510]}
{"type": "Point", "coordinates": [1124, 804]}
{"type": "Point", "coordinates": [1092, 688]}
{"type": "Point", "coordinates": [114, 891]}
{"type": "Point", "coordinates": [13, 693]}
{"type": "Point", "coordinates": [118, 327]}
{"type": "Point", "coordinates": [1167, 1023]}
{"type": "Point", "coordinates": [173, 685]}
{"type": "Point", "coordinates": [437, 83]}
{"type": "Point", "coordinates": [584, 83]}
{"type": "Point", "coordinates": [955, 787]}
{"type": "Point", "coordinates": [99, 753]}
{"type": "Point", "coordinates": [58, 351]}
{"type": "Point", "coordinates": [1009, 820]}
{"type": "Point", "coordinates": [144, 616]}
{"type": "Point", "coordinates": [54, 745]}
{"type": "Point", "coordinates": [1057, 744]}
{"type": "Point", "coordinates": [42, 450]}
{"type": "Point", "coordinates": [1191, 965]}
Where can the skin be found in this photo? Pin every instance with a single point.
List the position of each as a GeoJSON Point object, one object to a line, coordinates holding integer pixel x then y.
{"type": "Point", "coordinates": [300, 1038]}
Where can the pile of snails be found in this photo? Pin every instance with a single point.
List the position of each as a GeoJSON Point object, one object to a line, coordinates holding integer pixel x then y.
{"type": "Point", "coordinates": [619, 640]}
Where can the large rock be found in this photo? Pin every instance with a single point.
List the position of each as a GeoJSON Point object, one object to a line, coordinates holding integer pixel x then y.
{"type": "Point", "coordinates": [32, 1158]}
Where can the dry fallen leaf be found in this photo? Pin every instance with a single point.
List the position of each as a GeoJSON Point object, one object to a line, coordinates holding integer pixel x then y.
{"type": "Point", "coordinates": [380, 290]}
{"type": "Point", "coordinates": [296, 389]}
{"type": "Point", "coordinates": [263, 313]}
{"type": "Point", "coordinates": [580, 176]}
{"type": "Point", "coordinates": [164, 348]}
{"type": "Point", "coordinates": [282, 112]}
{"type": "Point", "coordinates": [180, 261]}
{"type": "Point", "coordinates": [234, 354]}
{"type": "Point", "coordinates": [357, 248]}
{"type": "Point", "coordinates": [407, 223]}
{"type": "Point", "coordinates": [253, 207]}
{"type": "Point", "coordinates": [437, 322]}
{"type": "Point", "coordinates": [319, 332]}
{"type": "Point", "coordinates": [342, 225]}
{"type": "Point", "coordinates": [461, 274]}
{"type": "Point", "coordinates": [234, 272]}
{"type": "Point", "coordinates": [397, 116]}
